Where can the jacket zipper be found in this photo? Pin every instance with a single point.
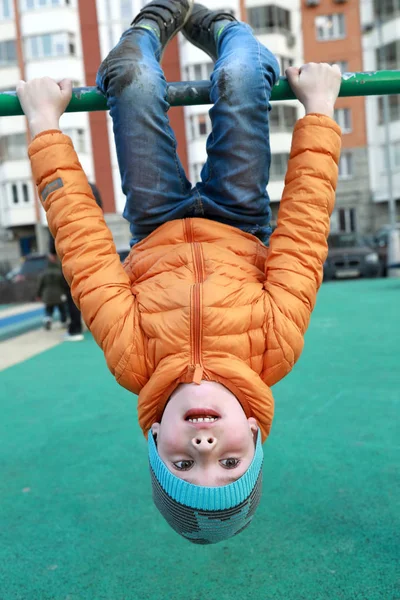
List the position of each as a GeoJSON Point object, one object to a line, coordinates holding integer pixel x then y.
{"type": "Point", "coordinates": [195, 317]}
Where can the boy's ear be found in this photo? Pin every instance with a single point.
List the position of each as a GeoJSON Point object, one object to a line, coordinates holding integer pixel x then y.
{"type": "Point", "coordinates": [155, 428]}
{"type": "Point", "coordinates": [253, 427]}
{"type": "Point", "coordinates": [253, 424]}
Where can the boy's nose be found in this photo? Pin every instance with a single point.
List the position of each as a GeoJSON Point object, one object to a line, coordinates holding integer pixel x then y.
{"type": "Point", "coordinates": [204, 442]}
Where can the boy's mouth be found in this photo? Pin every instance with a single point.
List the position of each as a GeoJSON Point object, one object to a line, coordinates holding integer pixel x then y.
{"type": "Point", "coordinates": [201, 415]}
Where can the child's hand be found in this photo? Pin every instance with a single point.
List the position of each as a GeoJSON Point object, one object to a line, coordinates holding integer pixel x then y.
{"type": "Point", "coordinates": [316, 85]}
{"type": "Point", "coordinates": [43, 102]}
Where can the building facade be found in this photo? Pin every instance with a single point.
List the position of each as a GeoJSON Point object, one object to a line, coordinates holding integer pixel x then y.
{"type": "Point", "coordinates": [69, 38]}
{"type": "Point", "coordinates": [380, 20]}
{"type": "Point", "coordinates": [331, 33]}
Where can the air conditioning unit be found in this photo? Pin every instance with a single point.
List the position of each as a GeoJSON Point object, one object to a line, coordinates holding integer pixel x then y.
{"type": "Point", "coordinates": [312, 2]}
{"type": "Point", "coordinates": [291, 40]}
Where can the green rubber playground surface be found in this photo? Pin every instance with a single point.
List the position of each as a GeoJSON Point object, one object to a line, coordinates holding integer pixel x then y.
{"type": "Point", "coordinates": [76, 515]}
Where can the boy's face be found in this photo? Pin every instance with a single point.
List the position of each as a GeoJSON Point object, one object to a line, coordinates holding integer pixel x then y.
{"type": "Point", "coordinates": [204, 436]}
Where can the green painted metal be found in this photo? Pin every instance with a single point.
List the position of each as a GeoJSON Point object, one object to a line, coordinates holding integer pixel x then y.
{"type": "Point", "coordinates": [188, 93]}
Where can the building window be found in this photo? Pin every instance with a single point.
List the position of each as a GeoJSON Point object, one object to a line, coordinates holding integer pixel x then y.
{"type": "Point", "coordinates": [38, 4]}
{"type": "Point", "coordinates": [396, 155]}
{"type": "Point", "coordinates": [284, 62]}
{"type": "Point", "coordinates": [330, 27]}
{"type": "Point", "coordinates": [14, 191]}
{"type": "Point", "coordinates": [25, 192]}
{"type": "Point", "coordinates": [126, 10]}
{"type": "Point", "coordinates": [78, 138]}
{"type": "Point", "coordinates": [388, 56]}
{"type": "Point", "coordinates": [198, 72]}
{"type": "Point", "coordinates": [196, 172]}
{"type": "Point", "coordinates": [278, 168]}
{"type": "Point", "coordinates": [386, 9]}
{"type": "Point", "coordinates": [13, 147]}
{"type": "Point", "coordinates": [50, 45]}
{"type": "Point", "coordinates": [8, 53]}
{"type": "Point", "coordinates": [342, 117]}
{"type": "Point", "coordinates": [346, 220]}
{"type": "Point", "coordinates": [265, 19]}
{"type": "Point", "coordinates": [394, 109]}
{"type": "Point", "coordinates": [282, 118]}
{"type": "Point", "coordinates": [346, 165]}
{"type": "Point", "coordinates": [200, 125]}
{"type": "Point", "coordinates": [342, 64]}
{"type": "Point", "coordinates": [6, 10]}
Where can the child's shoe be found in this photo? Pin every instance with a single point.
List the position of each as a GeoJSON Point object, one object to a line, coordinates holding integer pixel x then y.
{"type": "Point", "coordinates": [164, 17]}
{"type": "Point", "coordinates": [73, 337]}
{"type": "Point", "coordinates": [47, 323]}
{"type": "Point", "coordinates": [202, 28]}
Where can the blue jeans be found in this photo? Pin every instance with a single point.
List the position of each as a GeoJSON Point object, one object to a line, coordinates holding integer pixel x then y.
{"type": "Point", "coordinates": [234, 178]}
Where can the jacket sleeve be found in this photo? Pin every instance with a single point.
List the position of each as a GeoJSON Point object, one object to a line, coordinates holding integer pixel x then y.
{"type": "Point", "coordinates": [298, 246]}
{"type": "Point", "coordinates": [100, 286]}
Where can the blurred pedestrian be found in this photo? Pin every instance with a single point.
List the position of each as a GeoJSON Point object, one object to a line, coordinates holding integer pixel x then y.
{"type": "Point", "coordinates": [74, 333]}
{"type": "Point", "coordinates": [52, 291]}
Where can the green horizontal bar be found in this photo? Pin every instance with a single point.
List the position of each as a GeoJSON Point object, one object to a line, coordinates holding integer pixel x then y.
{"type": "Point", "coordinates": [189, 93]}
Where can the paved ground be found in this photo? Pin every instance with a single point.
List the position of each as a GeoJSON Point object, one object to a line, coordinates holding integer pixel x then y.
{"type": "Point", "coordinates": [76, 516]}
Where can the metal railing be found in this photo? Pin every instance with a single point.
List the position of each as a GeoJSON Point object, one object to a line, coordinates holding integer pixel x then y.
{"type": "Point", "coordinates": [189, 93]}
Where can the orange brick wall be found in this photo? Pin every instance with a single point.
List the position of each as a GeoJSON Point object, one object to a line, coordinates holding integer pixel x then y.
{"type": "Point", "coordinates": [349, 49]}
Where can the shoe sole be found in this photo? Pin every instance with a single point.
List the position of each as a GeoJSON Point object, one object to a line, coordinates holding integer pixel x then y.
{"type": "Point", "coordinates": [189, 12]}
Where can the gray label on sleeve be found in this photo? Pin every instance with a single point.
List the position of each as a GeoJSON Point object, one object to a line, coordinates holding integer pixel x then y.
{"type": "Point", "coordinates": [52, 187]}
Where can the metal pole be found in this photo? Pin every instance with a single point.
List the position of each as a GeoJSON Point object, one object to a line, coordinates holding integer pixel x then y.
{"type": "Point", "coordinates": [189, 93]}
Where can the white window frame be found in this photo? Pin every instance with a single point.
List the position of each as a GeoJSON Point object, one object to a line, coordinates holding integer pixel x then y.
{"type": "Point", "coordinates": [6, 15]}
{"type": "Point", "coordinates": [27, 5]}
{"type": "Point", "coordinates": [4, 62]}
{"type": "Point", "coordinates": [272, 12]}
{"type": "Point", "coordinates": [196, 169]}
{"type": "Point", "coordinates": [59, 44]}
{"type": "Point", "coordinates": [18, 142]}
{"type": "Point", "coordinates": [346, 165]}
{"type": "Point", "coordinates": [17, 188]}
{"type": "Point", "coordinates": [342, 64]}
{"type": "Point", "coordinates": [79, 139]}
{"type": "Point", "coordinates": [330, 27]}
{"type": "Point", "coordinates": [349, 215]}
{"type": "Point", "coordinates": [343, 118]}
{"type": "Point", "coordinates": [281, 110]}
{"type": "Point", "coordinates": [205, 69]}
{"type": "Point", "coordinates": [396, 155]}
{"type": "Point", "coordinates": [195, 132]}
{"type": "Point", "coordinates": [282, 158]}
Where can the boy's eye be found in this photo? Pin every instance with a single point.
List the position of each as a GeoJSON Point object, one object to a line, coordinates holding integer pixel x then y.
{"type": "Point", "coordinates": [229, 463]}
{"type": "Point", "coordinates": [183, 465]}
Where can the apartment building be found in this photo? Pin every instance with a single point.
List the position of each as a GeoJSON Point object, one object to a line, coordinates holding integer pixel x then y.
{"type": "Point", "coordinates": [58, 38]}
{"type": "Point", "coordinates": [380, 21]}
{"type": "Point", "coordinates": [69, 38]}
{"type": "Point", "coordinates": [331, 33]}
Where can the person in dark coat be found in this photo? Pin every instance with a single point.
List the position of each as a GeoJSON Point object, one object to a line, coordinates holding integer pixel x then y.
{"type": "Point", "coordinates": [74, 333]}
{"type": "Point", "coordinates": [52, 291]}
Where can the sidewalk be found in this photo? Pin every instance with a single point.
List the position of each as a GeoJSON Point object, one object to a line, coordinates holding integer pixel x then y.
{"type": "Point", "coordinates": [20, 318]}
{"type": "Point", "coordinates": [24, 346]}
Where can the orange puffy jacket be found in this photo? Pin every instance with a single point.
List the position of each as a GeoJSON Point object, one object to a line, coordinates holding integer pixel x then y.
{"type": "Point", "coordinates": [196, 299]}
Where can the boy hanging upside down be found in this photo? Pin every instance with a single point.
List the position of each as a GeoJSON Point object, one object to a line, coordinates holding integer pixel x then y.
{"type": "Point", "coordinates": [208, 312]}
